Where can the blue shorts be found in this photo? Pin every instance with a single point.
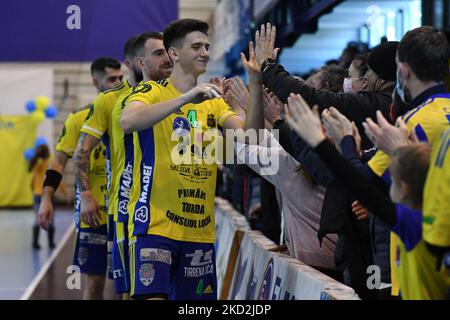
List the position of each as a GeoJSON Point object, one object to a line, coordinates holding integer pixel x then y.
{"type": "Point", "coordinates": [111, 233]}
{"type": "Point", "coordinates": [90, 253]}
{"type": "Point", "coordinates": [176, 270]}
{"type": "Point", "coordinates": [121, 261]}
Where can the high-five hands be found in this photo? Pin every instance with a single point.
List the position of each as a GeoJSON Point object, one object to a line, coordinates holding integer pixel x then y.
{"type": "Point", "coordinates": [265, 44]}
{"type": "Point", "coordinates": [387, 137]}
{"type": "Point", "coordinates": [303, 120]}
{"type": "Point", "coordinates": [202, 92]}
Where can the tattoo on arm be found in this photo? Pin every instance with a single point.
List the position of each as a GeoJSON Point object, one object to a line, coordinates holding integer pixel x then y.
{"type": "Point", "coordinates": [82, 164]}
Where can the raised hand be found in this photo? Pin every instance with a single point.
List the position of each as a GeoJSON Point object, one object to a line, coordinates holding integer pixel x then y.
{"type": "Point", "coordinates": [385, 136]}
{"type": "Point", "coordinates": [265, 43]}
{"type": "Point", "coordinates": [303, 120]}
{"type": "Point", "coordinates": [273, 107]}
{"type": "Point", "coordinates": [358, 139]}
{"type": "Point", "coordinates": [336, 125]}
{"type": "Point", "coordinates": [236, 93]}
{"type": "Point", "coordinates": [250, 65]}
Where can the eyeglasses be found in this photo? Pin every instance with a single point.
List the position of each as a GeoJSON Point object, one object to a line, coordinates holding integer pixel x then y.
{"type": "Point", "coordinates": [115, 78]}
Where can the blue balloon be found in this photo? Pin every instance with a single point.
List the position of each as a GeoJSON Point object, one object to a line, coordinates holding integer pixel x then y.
{"type": "Point", "coordinates": [40, 141]}
{"type": "Point", "coordinates": [30, 106]}
{"type": "Point", "coordinates": [29, 153]}
{"type": "Point", "coordinates": [51, 112]}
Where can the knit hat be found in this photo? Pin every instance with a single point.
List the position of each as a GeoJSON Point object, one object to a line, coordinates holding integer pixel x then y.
{"type": "Point", "coordinates": [382, 60]}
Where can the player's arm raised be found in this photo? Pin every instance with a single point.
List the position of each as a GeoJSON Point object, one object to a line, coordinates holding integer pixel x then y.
{"type": "Point", "coordinates": [52, 180]}
{"type": "Point", "coordinates": [139, 116]}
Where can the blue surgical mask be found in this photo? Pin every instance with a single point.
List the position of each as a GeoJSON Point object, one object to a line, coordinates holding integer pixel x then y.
{"type": "Point", "coordinates": [400, 89]}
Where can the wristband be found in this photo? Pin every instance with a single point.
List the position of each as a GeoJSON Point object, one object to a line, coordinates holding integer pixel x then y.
{"type": "Point", "coordinates": [52, 179]}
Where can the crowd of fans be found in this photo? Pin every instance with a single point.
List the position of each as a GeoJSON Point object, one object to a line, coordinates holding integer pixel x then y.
{"type": "Point", "coordinates": [364, 175]}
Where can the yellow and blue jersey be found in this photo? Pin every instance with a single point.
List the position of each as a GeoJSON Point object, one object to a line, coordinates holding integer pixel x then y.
{"type": "Point", "coordinates": [428, 121]}
{"type": "Point", "coordinates": [436, 197]}
{"type": "Point", "coordinates": [122, 167]}
{"type": "Point", "coordinates": [98, 124]}
{"type": "Point", "coordinates": [67, 143]}
{"type": "Point", "coordinates": [172, 198]}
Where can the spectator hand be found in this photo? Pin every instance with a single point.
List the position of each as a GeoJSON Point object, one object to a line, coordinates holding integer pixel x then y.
{"type": "Point", "coordinates": [304, 121]}
{"type": "Point", "coordinates": [220, 82]}
{"type": "Point", "coordinates": [357, 137]}
{"type": "Point", "coordinates": [273, 107]}
{"type": "Point", "coordinates": [250, 65]}
{"type": "Point", "coordinates": [265, 43]}
{"type": "Point", "coordinates": [336, 125]}
{"type": "Point", "coordinates": [360, 212]}
{"type": "Point", "coordinates": [236, 93]}
{"type": "Point", "coordinates": [385, 136]}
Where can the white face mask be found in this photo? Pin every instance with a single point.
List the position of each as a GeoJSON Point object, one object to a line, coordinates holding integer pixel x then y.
{"type": "Point", "coordinates": [348, 85]}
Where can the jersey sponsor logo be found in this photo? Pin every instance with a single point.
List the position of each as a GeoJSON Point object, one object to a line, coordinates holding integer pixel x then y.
{"type": "Point", "coordinates": [142, 88]}
{"type": "Point", "coordinates": [192, 193]}
{"type": "Point", "coordinates": [82, 255]}
{"type": "Point", "coordinates": [211, 121]}
{"type": "Point", "coordinates": [200, 290]}
{"type": "Point", "coordinates": [192, 172]}
{"type": "Point", "coordinates": [93, 238]}
{"type": "Point", "coordinates": [181, 126]}
{"type": "Point", "coordinates": [146, 177]}
{"type": "Point", "coordinates": [154, 254]}
{"type": "Point", "coordinates": [189, 223]}
{"type": "Point", "coordinates": [193, 208]}
{"type": "Point", "coordinates": [125, 187]}
{"type": "Point", "coordinates": [141, 214]}
{"type": "Point", "coordinates": [123, 205]}
{"type": "Point", "coordinates": [146, 274]}
{"type": "Point", "coordinates": [201, 264]}
{"type": "Point", "coordinates": [117, 274]}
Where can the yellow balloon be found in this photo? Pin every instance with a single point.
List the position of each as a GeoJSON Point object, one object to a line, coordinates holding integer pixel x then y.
{"type": "Point", "coordinates": [38, 116]}
{"type": "Point", "coordinates": [42, 102]}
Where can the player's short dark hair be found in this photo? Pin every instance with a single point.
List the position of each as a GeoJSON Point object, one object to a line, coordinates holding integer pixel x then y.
{"type": "Point", "coordinates": [178, 29]}
{"type": "Point", "coordinates": [426, 51]}
{"type": "Point", "coordinates": [129, 49]}
{"type": "Point", "coordinates": [100, 64]}
{"type": "Point", "coordinates": [140, 41]}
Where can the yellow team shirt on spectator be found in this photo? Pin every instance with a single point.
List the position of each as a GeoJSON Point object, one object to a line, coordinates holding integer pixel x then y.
{"type": "Point", "coordinates": [67, 143]}
{"type": "Point", "coordinates": [428, 121]}
{"type": "Point", "coordinates": [98, 125]}
{"type": "Point", "coordinates": [436, 202]}
{"type": "Point", "coordinates": [169, 197]}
